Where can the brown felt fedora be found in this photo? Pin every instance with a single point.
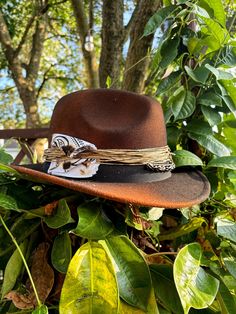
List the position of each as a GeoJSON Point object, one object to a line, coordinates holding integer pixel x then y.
{"type": "Point", "coordinates": [123, 123]}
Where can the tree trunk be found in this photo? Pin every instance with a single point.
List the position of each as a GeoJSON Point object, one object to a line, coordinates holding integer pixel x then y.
{"type": "Point", "coordinates": [137, 59]}
{"type": "Point", "coordinates": [88, 56]}
{"type": "Point", "coordinates": [112, 42]}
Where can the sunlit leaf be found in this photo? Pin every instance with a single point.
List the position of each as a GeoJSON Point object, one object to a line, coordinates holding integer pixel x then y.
{"type": "Point", "coordinates": [61, 252]}
{"type": "Point", "coordinates": [61, 217]}
{"type": "Point", "coordinates": [219, 74]}
{"type": "Point", "coordinates": [164, 287]}
{"type": "Point", "coordinates": [9, 203]}
{"type": "Point", "coordinates": [211, 144]}
{"type": "Point", "coordinates": [173, 233]}
{"type": "Point", "coordinates": [90, 285]}
{"type": "Point", "coordinates": [132, 272]}
{"type": "Point", "coordinates": [152, 308]}
{"type": "Point", "coordinates": [229, 259]}
{"type": "Point", "coordinates": [195, 286]}
{"type": "Point", "coordinates": [93, 223]}
{"type": "Point", "coordinates": [42, 309]}
{"type": "Point", "coordinates": [227, 162]}
{"type": "Point", "coordinates": [226, 227]}
{"type": "Point", "coordinates": [219, 11]}
{"type": "Point", "coordinates": [186, 158]}
{"type": "Point", "coordinates": [13, 269]}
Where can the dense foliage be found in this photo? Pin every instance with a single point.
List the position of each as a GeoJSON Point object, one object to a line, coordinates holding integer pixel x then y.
{"type": "Point", "coordinates": [119, 258]}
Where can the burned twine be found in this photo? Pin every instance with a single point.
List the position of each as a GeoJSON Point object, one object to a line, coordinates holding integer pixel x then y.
{"type": "Point", "coordinates": [157, 159]}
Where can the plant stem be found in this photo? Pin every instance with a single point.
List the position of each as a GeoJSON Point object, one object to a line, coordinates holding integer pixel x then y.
{"type": "Point", "coordinates": [23, 259]}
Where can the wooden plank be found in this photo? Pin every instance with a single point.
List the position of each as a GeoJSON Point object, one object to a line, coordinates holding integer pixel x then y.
{"type": "Point", "coordinates": [24, 133]}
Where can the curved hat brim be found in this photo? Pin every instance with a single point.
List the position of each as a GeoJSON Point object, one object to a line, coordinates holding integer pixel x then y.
{"type": "Point", "coordinates": [183, 189]}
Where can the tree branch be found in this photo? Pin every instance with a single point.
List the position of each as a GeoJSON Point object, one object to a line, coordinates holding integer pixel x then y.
{"type": "Point", "coordinates": [129, 25]}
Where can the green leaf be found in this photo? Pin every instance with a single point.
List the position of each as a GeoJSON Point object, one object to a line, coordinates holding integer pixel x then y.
{"type": "Point", "coordinates": [194, 224]}
{"type": "Point", "coordinates": [90, 285]}
{"type": "Point", "coordinates": [211, 115]}
{"type": "Point", "coordinates": [41, 310]}
{"type": "Point", "coordinates": [219, 74]}
{"type": "Point", "coordinates": [168, 82]}
{"type": "Point", "coordinates": [229, 259]}
{"type": "Point", "coordinates": [211, 144]}
{"type": "Point", "coordinates": [210, 99]}
{"type": "Point", "coordinates": [13, 269]}
{"type": "Point", "coordinates": [5, 168]}
{"type": "Point", "coordinates": [219, 11]}
{"type": "Point", "coordinates": [226, 227]}
{"type": "Point", "coordinates": [226, 299]}
{"type": "Point", "coordinates": [164, 287]}
{"type": "Point", "coordinates": [183, 103]}
{"type": "Point", "coordinates": [173, 135]}
{"type": "Point", "coordinates": [132, 272]}
{"type": "Point", "coordinates": [230, 88]}
{"type": "Point", "coordinates": [93, 223]}
{"type": "Point", "coordinates": [5, 158]}
{"type": "Point", "coordinates": [227, 162]}
{"type": "Point", "coordinates": [229, 103]}
{"type": "Point", "coordinates": [158, 18]}
{"type": "Point", "coordinates": [125, 308]}
{"type": "Point", "coordinates": [61, 217]}
{"type": "Point", "coordinates": [199, 127]}
{"type": "Point", "coordinates": [199, 75]}
{"type": "Point", "coordinates": [7, 202]}
{"type": "Point", "coordinates": [196, 287]}
{"type": "Point", "coordinates": [61, 252]}
{"type": "Point", "coordinates": [169, 51]}
{"type": "Point", "coordinates": [186, 158]}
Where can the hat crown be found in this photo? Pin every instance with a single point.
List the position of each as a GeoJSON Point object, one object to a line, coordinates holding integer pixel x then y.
{"type": "Point", "coordinates": [110, 119]}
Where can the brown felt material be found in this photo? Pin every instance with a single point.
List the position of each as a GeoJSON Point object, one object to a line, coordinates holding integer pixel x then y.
{"type": "Point", "coordinates": [121, 120]}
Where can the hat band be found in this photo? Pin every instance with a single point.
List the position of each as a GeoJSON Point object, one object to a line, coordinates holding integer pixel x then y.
{"type": "Point", "coordinates": [73, 157]}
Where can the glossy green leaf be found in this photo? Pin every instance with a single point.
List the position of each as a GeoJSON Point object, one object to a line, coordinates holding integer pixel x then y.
{"type": "Point", "coordinates": [219, 74]}
{"type": "Point", "coordinates": [227, 162]}
{"type": "Point", "coordinates": [158, 18]}
{"type": "Point", "coordinates": [132, 272]}
{"type": "Point", "coordinates": [226, 227]}
{"type": "Point", "coordinates": [90, 285]}
{"type": "Point", "coordinates": [229, 259]}
{"type": "Point", "coordinates": [194, 224]}
{"type": "Point", "coordinates": [9, 203]}
{"type": "Point", "coordinates": [199, 75]}
{"type": "Point", "coordinates": [210, 99]}
{"type": "Point", "coordinates": [61, 252]}
{"type": "Point", "coordinates": [226, 300]}
{"type": "Point", "coordinates": [93, 223]}
{"type": "Point", "coordinates": [211, 144]}
{"type": "Point", "coordinates": [61, 217]}
{"type": "Point", "coordinates": [186, 158]}
{"type": "Point", "coordinates": [13, 269]}
{"type": "Point", "coordinates": [169, 51]}
{"type": "Point", "coordinates": [211, 115]}
{"type": "Point", "coordinates": [152, 308]}
{"type": "Point", "coordinates": [5, 158]}
{"type": "Point", "coordinates": [168, 82]}
{"type": "Point", "coordinates": [199, 127]}
{"type": "Point", "coordinates": [195, 287]}
{"type": "Point", "coordinates": [229, 103]}
{"type": "Point", "coordinates": [183, 103]}
{"type": "Point", "coordinates": [164, 287]}
{"type": "Point", "coordinates": [230, 88]}
{"type": "Point", "coordinates": [42, 309]}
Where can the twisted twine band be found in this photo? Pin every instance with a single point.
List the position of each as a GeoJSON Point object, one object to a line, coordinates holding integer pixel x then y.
{"type": "Point", "coordinates": [157, 159]}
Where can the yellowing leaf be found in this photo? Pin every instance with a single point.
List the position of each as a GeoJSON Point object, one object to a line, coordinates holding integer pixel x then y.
{"type": "Point", "coordinates": [90, 285]}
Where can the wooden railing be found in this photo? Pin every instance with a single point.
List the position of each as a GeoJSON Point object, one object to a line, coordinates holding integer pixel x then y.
{"type": "Point", "coordinates": [26, 138]}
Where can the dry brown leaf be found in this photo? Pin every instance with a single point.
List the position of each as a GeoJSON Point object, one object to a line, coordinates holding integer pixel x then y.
{"type": "Point", "coordinates": [157, 258]}
{"type": "Point", "coordinates": [42, 274]}
{"type": "Point", "coordinates": [21, 301]}
{"type": "Point", "coordinates": [50, 208]}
